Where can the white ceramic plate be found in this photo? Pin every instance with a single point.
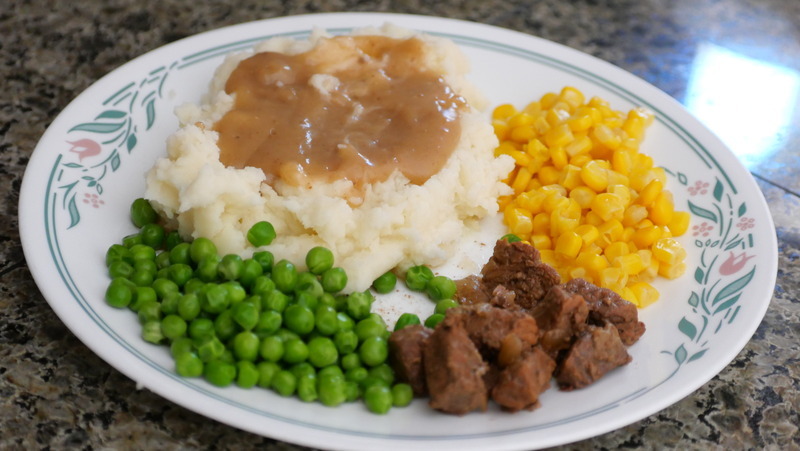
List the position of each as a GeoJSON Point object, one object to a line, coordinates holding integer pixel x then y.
{"type": "Point", "coordinates": [89, 166]}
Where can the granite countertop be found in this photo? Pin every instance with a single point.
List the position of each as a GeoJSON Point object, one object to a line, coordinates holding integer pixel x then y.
{"type": "Point", "coordinates": [56, 394]}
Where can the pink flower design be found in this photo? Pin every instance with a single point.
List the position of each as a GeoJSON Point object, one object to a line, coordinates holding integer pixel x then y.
{"type": "Point", "coordinates": [93, 199]}
{"type": "Point", "coordinates": [699, 187]}
{"type": "Point", "coordinates": [84, 148]}
{"type": "Point", "coordinates": [702, 229]}
{"type": "Point", "coordinates": [746, 223]}
{"type": "Point", "coordinates": [734, 263]}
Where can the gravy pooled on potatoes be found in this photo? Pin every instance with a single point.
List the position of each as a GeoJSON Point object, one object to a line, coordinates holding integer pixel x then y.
{"type": "Point", "coordinates": [353, 107]}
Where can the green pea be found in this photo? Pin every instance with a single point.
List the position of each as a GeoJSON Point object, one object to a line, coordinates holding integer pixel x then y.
{"type": "Point", "coordinates": [286, 334]}
{"type": "Point", "coordinates": [120, 268]}
{"type": "Point", "coordinates": [180, 345]}
{"type": "Point", "coordinates": [350, 361]}
{"type": "Point", "coordinates": [209, 348]}
{"type": "Point", "coordinates": [152, 235]}
{"type": "Point", "coordinates": [201, 328]}
{"type": "Point", "coordinates": [326, 320]}
{"type": "Point", "coordinates": [149, 311]}
{"type": "Point", "coordinates": [373, 351]}
{"type": "Point", "coordinates": [444, 305]}
{"type": "Point", "coordinates": [268, 323]}
{"type": "Point", "coordinates": [307, 387]}
{"type": "Point", "coordinates": [162, 260]}
{"type": "Point", "coordinates": [385, 283]}
{"type": "Point", "coordinates": [271, 348]}
{"type": "Point", "coordinates": [180, 254]}
{"type": "Point", "coordinates": [235, 291]}
{"type": "Point", "coordinates": [440, 287]}
{"type": "Point", "coordinates": [306, 299]}
{"type": "Point", "coordinates": [118, 252]}
{"type": "Point", "coordinates": [417, 277]}
{"type": "Point", "coordinates": [142, 278]}
{"type": "Point", "coordinates": [132, 240]}
{"type": "Point", "coordinates": [208, 269]}
{"type": "Point", "coordinates": [334, 280]}
{"type": "Point", "coordinates": [224, 325]}
{"type": "Point", "coordinates": [215, 299]}
{"type": "Point", "coordinates": [284, 383]}
{"type": "Point", "coordinates": [402, 395]}
{"type": "Point", "coordinates": [188, 364]}
{"type": "Point", "coordinates": [298, 319]}
{"type": "Point", "coordinates": [358, 304]}
{"type": "Point", "coordinates": [142, 213]}
{"type": "Point", "coordinates": [303, 369]}
{"type": "Point", "coordinates": [284, 274]}
{"type": "Point", "coordinates": [164, 286]}
{"type": "Point", "coordinates": [368, 327]}
{"type": "Point", "coordinates": [308, 282]}
{"type": "Point", "coordinates": [406, 319]}
{"type": "Point", "coordinates": [142, 295]}
{"type": "Point", "coordinates": [180, 273]}
{"type": "Point", "coordinates": [511, 238]}
{"type": "Point", "coordinates": [265, 259]}
{"type": "Point", "coordinates": [331, 389]}
{"type": "Point", "coordinates": [193, 286]}
{"type": "Point", "coordinates": [346, 341]}
{"type": "Point", "coordinates": [357, 374]}
{"type": "Point", "coordinates": [230, 267]}
{"type": "Point", "coordinates": [146, 265]}
{"type": "Point", "coordinates": [250, 271]}
{"type": "Point", "coordinates": [383, 372]}
{"type": "Point", "coordinates": [246, 374]}
{"type": "Point", "coordinates": [433, 320]}
{"type": "Point", "coordinates": [295, 350]}
{"type": "Point", "coordinates": [173, 327]}
{"type": "Point", "coordinates": [246, 315]}
{"type": "Point", "coordinates": [322, 352]}
{"type": "Point", "coordinates": [119, 293]}
{"type": "Point", "coordinates": [189, 306]}
{"type": "Point", "coordinates": [275, 300]}
{"type": "Point", "coordinates": [352, 391]}
{"type": "Point", "coordinates": [261, 234]}
{"type": "Point", "coordinates": [262, 285]}
{"type": "Point", "coordinates": [246, 346]}
{"type": "Point", "coordinates": [266, 372]}
{"type": "Point", "coordinates": [172, 239]}
{"type": "Point", "coordinates": [319, 260]}
{"type": "Point", "coordinates": [345, 322]}
{"type": "Point", "coordinates": [202, 248]}
{"type": "Point", "coordinates": [151, 332]}
{"type": "Point", "coordinates": [219, 373]}
{"type": "Point", "coordinates": [328, 300]}
{"type": "Point", "coordinates": [378, 399]}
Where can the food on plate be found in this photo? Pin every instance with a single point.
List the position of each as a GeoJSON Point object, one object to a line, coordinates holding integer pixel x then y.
{"type": "Point", "coordinates": [591, 203]}
{"type": "Point", "coordinates": [371, 145]}
{"type": "Point", "coordinates": [518, 327]}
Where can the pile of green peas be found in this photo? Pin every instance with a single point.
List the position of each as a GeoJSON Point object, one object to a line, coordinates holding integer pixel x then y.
{"type": "Point", "coordinates": [255, 321]}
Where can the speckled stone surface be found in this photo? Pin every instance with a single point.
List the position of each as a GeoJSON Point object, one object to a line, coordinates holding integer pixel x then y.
{"type": "Point", "coordinates": [56, 394]}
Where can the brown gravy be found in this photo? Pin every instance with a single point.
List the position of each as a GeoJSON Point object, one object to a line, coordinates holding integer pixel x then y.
{"type": "Point", "coordinates": [381, 112]}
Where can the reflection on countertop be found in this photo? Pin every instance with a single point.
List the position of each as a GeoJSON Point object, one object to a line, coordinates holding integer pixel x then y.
{"type": "Point", "coordinates": [734, 63]}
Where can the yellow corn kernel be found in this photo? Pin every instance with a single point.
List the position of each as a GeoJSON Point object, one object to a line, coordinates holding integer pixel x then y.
{"type": "Point", "coordinates": [558, 156]}
{"type": "Point", "coordinates": [505, 148]}
{"type": "Point", "coordinates": [541, 223]}
{"type": "Point", "coordinates": [620, 190]}
{"type": "Point", "coordinates": [588, 233]}
{"type": "Point", "coordinates": [583, 195]}
{"type": "Point", "coordinates": [634, 127]}
{"type": "Point", "coordinates": [622, 161]}
{"type": "Point", "coordinates": [580, 160]}
{"type": "Point", "coordinates": [650, 192]}
{"type": "Point", "coordinates": [615, 250]}
{"type": "Point", "coordinates": [608, 206]}
{"type": "Point", "coordinates": [613, 279]}
{"type": "Point", "coordinates": [598, 102]}
{"type": "Point", "coordinates": [580, 122]}
{"type": "Point", "coordinates": [642, 113]}
{"type": "Point", "coordinates": [521, 180]}
{"type": "Point", "coordinates": [680, 223]}
{"type": "Point", "coordinates": [554, 188]}
{"type": "Point", "coordinates": [646, 236]}
{"type": "Point", "coordinates": [541, 242]}
{"type": "Point", "coordinates": [548, 256]}
{"type": "Point", "coordinates": [630, 263]}
{"type": "Point", "coordinates": [558, 136]}
{"type": "Point", "coordinates": [629, 295]}
{"type": "Point", "coordinates": [501, 129]}
{"type": "Point", "coordinates": [561, 223]}
{"type": "Point", "coordinates": [572, 96]}
{"type": "Point", "coordinates": [644, 162]}
{"type": "Point", "coordinates": [672, 271]}
{"type": "Point", "coordinates": [610, 231]}
{"type": "Point", "coordinates": [549, 175]}
{"type": "Point", "coordinates": [627, 236]}
{"type": "Point", "coordinates": [570, 178]}
{"type": "Point", "coordinates": [593, 219]}
{"type": "Point", "coordinates": [668, 251]}
{"type": "Point", "coordinates": [537, 150]}
{"type": "Point", "coordinates": [522, 133]}
{"type": "Point", "coordinates": [633, 215]}
{"type": "Point", "coordinates": [504, 111]}
{"type": "Point", "coordinates": [520, 157]}
{"type": "Point", "coordinates": [595, 176]}
{"type": "Point", "coordinates": [520, 120]}
{"type": "Point", "coordinates": [645, 293]}
{"type": "Point", "coordinates": [531, 201]}
{"type": "Point", "coordinates": [579, 272]}
{"type": "Point", "coordinates": [606, 136]}
{"type": "Point", "coordinates": [556, 116]}
{"type": "Point", "coordinates": [663, 209]}
{"type": "Point", "coordinates": [541, 125]}
{"type": "Point", "coordinates": [533, 108]}
{"type": "Point", "coordinates": [504, 201]}
{"type": "Point", "coordinates": [534, 184]}
{"type": "Point", "coordinates": [518, 220]}
{"type": "Point", "coordinates": [548, 100]}
{"type": "Point", "coordinates": [568, 244]}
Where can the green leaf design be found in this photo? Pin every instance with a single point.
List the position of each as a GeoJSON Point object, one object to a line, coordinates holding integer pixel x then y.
{"type": "Point", "coordinates": [697, 355]}
{"type": "Point", "coordinates": [702, 212]}
{"type": "Point", "coordinates": [74, 214]}
{"type": "Point", "coordinates": [131, 142]}
{"type": "Point", "coordinates": [680, 354]}
{"type": "Point", "coordinates": [150, 108]}
{"type": "Point", "coordinates": [698, 275]}
{"type": "Point", "coordinates": [111, 114]}
{"type": "Point", "coordinates": [733, 244]}
{"type": "Point", "coordinates": [728, 303]}
{"type": "Point", "coordinates": [73, 165]}
{"type": "Point", "coordinates": [694, 299]}
{"type": "Point", "coordinates": [98, 127]}
{"type": "Point", "coordinates": [115, 162]}
{"type": "Point", "coordinates": [742, 209]}
{"type": "Point", "coordinates": [733, 287]}
{"type": "Point", "coordinates": [718, 190]}
{"type": "Point", "coordinates": [687, 328]}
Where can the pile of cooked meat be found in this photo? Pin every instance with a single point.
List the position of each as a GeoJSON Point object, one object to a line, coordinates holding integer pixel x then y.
{"type": "Point", "coordinates": [517, 327]}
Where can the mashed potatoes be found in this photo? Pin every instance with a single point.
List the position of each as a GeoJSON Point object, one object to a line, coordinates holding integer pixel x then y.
{"type": "Point", "coordinates": [392, 224]}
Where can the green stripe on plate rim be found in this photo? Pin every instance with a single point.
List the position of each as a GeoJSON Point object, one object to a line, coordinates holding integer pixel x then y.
{"type": "Point", "coordinates": [51, 201]}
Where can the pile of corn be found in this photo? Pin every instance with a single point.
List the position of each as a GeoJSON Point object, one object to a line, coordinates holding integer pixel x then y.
{"type": "Point", "coordinates": [586, 198]}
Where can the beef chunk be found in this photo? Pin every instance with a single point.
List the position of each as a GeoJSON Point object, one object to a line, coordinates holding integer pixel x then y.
{"type": "Point", "coordinates": [518, 267]}
{"type": "Point", "coordinates": [470, 290]}
{"type": "Point", "coordinates": [487, 326]}
{"type": "Point", "coordinates": [405, 352]}
{"type": "Point", "coordinates": [607, 306]}
{"type": "Point", "coordinates": [503, 297]}
{"type": "Point", "coordinates": [454, 371]}
{"type": "Point", "coordinates": [519, 385]}
{"type": "Point", "coordinates": [596, 352]}
{"type": "Point", "coordinates": [560, 316]}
